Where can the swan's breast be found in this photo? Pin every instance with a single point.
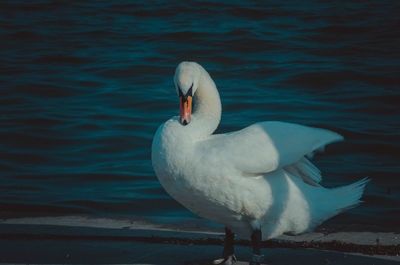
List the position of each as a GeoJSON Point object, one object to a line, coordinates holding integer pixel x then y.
{"type": "Point", "coordinates": [171, 154]}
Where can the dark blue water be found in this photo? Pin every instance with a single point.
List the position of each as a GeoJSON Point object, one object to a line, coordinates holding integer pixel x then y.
{"type": "Point", "coordinates": [84, 86]}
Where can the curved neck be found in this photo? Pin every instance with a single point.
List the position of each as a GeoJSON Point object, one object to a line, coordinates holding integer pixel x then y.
{"type": "Point", "coordinates": [207, 109]}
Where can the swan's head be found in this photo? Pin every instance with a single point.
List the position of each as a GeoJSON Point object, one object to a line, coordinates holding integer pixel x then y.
{"type": "Point", "coordinates": [186, 80]}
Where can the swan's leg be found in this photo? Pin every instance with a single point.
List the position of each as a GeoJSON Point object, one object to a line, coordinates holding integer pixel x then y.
{"type": "Point", "coordinates": [256, 237]}
{"type": "Point", "coordinates": [228, 256]}
{"type": "Point", "coordinates": [228, 244]}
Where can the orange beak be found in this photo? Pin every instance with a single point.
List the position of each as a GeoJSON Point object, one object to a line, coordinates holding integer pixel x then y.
{"type": "Point", "coordinates": [185, 109]}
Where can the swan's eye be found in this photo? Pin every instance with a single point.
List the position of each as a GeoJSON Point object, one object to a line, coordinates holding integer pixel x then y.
{"type": "Point", "coordinates": [189, 93]}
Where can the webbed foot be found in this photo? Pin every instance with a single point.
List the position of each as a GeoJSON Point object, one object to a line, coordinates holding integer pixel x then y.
{"type": "Point", "coordinates": [229, 260]}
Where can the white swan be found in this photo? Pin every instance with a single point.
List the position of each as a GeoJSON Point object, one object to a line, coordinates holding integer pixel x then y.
{"type": "Point", "coordinates": [258, 181]}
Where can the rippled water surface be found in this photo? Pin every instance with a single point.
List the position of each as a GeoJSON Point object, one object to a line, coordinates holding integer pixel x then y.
{"type": "Point", "coordinates": [84, 86]}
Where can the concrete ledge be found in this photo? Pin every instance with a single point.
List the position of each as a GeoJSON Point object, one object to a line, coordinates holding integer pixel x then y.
{"type": "Point", "coordinates": [81, 240]}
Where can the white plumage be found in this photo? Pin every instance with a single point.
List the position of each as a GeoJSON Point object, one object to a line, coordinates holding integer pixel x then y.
{"type": "Point", "coordinates": [258, 176]}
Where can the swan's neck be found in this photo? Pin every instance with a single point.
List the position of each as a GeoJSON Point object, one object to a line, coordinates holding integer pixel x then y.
{"type": "Point", "coordinates": [207, 110]}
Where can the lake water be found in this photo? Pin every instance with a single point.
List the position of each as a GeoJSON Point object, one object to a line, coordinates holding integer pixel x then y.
{"type": "Point", "coordinates": [84, 86]}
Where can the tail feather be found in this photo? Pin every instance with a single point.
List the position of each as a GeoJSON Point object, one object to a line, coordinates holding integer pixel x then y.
{"type": "Point", "coordinates": [337, 200]}
{"type": "Point", "coordinates": [349, 196]}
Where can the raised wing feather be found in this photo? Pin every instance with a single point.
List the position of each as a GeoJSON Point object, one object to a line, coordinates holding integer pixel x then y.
{"type": "Point", "coordinates": [305, 170]}
{"type": "Point", "coordinates": [267, 146]}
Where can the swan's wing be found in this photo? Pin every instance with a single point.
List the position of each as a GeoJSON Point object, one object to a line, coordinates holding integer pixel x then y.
{"type": "Point", "coordinates": [266, 146]}
{"type": "Point", "coordinates": [305, 170]}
